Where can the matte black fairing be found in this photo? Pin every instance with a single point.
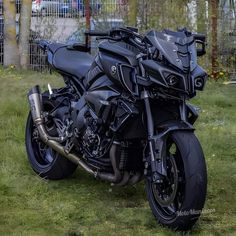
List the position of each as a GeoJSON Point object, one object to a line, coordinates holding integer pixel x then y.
{"type": "Point", "coordinates": [112, 54]}
{"type": "Point", "coordinates": [100, 93]}
{"type": "Point", "coordinates": [120, 50]}
{"type": "Point", "coordinates": [159, 74]}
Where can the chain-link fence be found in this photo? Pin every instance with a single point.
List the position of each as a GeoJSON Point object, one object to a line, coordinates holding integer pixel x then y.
{"type": "Point", "coordinates": [65, 21]}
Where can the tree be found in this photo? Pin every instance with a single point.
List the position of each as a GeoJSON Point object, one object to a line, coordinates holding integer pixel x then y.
{"type": "Point", "coordinates": [133, 8]}
{"type": "Point", "coordinates": [214, 28]}
{"type": "Point", "coordinates": [11, 52]}
{"type": "Point", "coordinates": [25, 22]}
{"type": "Point", "coordinates": [201, 16]}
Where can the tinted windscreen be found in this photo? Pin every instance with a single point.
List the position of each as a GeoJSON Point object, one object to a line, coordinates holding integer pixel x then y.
{"type": "Point", "coordinates": [178, 49]}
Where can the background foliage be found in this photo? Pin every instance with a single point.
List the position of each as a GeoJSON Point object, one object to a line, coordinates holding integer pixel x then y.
{"type": "Point", "coordinates": [215, 18]}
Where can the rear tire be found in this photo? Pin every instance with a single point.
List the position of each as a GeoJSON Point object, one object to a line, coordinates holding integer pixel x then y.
{"type": "Point", "coordinates": [187, 165]}
{"type": "Point", "coordinates": [44, 161]}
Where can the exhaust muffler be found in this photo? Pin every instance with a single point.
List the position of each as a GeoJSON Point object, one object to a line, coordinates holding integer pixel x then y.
{"type": "Point", "coordinates": [35, 101]}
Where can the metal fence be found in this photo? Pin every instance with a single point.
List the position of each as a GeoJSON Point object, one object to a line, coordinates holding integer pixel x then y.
{"type": "Point", "coordinates": [65, 21]}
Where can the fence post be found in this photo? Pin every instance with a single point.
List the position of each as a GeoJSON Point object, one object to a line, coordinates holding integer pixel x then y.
{"type": "Point", "coordinates": [25, 22]}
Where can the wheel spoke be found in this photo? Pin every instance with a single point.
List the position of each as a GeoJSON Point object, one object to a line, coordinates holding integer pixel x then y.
{"type": "Point", "coordinates": [172, 208]}
{"type": "Point", "coordinates": [48, 155]}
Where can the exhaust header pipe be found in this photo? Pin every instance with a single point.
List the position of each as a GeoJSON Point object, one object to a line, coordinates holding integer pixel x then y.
{"type": "Point", "coordinates": [36, 107]}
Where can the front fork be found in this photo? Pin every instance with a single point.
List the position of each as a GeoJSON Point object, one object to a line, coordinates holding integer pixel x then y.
{"type": "Point", "coordinates": [156, 158]}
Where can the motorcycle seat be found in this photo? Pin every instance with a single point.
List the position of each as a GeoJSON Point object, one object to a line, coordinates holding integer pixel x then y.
{"type": "Point", "coordinates": [69, 61]}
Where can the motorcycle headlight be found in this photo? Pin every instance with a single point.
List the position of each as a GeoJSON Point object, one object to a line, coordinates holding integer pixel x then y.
{"type": "Point", "coordinates": [175, 81]}
{"type": "Point", "coordinates": [172, 80]}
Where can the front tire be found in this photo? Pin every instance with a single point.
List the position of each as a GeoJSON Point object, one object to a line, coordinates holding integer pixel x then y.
{"type": "Point", "coordinates": [44, 161]}
{"type": "Point", "coordinates": [178, 202]}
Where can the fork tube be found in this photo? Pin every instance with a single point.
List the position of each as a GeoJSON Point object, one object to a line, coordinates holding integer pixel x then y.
{"type": "Point", "coordinates": [150, 125]}
{"type": "Point", "coordinates": [182, 109]}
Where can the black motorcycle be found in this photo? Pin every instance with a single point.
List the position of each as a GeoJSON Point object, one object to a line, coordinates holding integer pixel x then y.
{"type": "Point", "coordinates": [122, 116]}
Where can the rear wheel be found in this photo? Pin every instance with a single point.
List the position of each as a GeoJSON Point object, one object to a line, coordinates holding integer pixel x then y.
{"type": "Point", "coordinates": [178, 201]}
{"type": "Point", "coordinates": [44, 160]}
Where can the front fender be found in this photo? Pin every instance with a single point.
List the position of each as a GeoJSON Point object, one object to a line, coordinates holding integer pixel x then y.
{"type": "Point", "coordinates": [173, 125]}
{"type": "Point", "coordinates": [159, 142]}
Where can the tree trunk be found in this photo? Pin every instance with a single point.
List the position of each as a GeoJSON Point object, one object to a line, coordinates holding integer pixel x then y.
{"type": "Point", "coordinates": [201, 16]}
{"type": "Point", "coordinates": [214, 47]}
{"type": "Point", "coordinates": [88, 25]}
{"type": "Point", "coordinates": [11, 52]}
{"type": "Point", "coordinates": [133, 9]}
{"type": "Point", "coordinates": [25, 22]}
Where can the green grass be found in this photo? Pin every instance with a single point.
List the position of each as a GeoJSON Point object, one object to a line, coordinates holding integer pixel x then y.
{"type": "Point", "coordinates": [82, 206]}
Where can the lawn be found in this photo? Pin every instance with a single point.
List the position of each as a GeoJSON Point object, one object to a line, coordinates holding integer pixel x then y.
{"type": "Point", "coordinates": [82, 206]}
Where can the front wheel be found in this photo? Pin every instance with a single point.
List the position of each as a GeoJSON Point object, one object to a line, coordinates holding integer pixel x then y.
{"type": "Point", "coordinates": [177, 202]}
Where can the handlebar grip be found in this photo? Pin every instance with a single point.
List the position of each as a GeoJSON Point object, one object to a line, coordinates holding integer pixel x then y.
{"type": "Point", "coordinates": [97, 33]}
{"type": "Point", "coordinates": [200, 37]}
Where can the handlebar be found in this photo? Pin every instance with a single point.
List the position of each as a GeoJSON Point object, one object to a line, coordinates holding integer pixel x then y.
{"type": "Point", "coordinates": [200, 37]}
{"type": "Point", "coordinates": [118, 34]}
{"type": "Point", "coordinates": [97, 33]}
{"type": "Point", "coordinates": [137, 40]}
